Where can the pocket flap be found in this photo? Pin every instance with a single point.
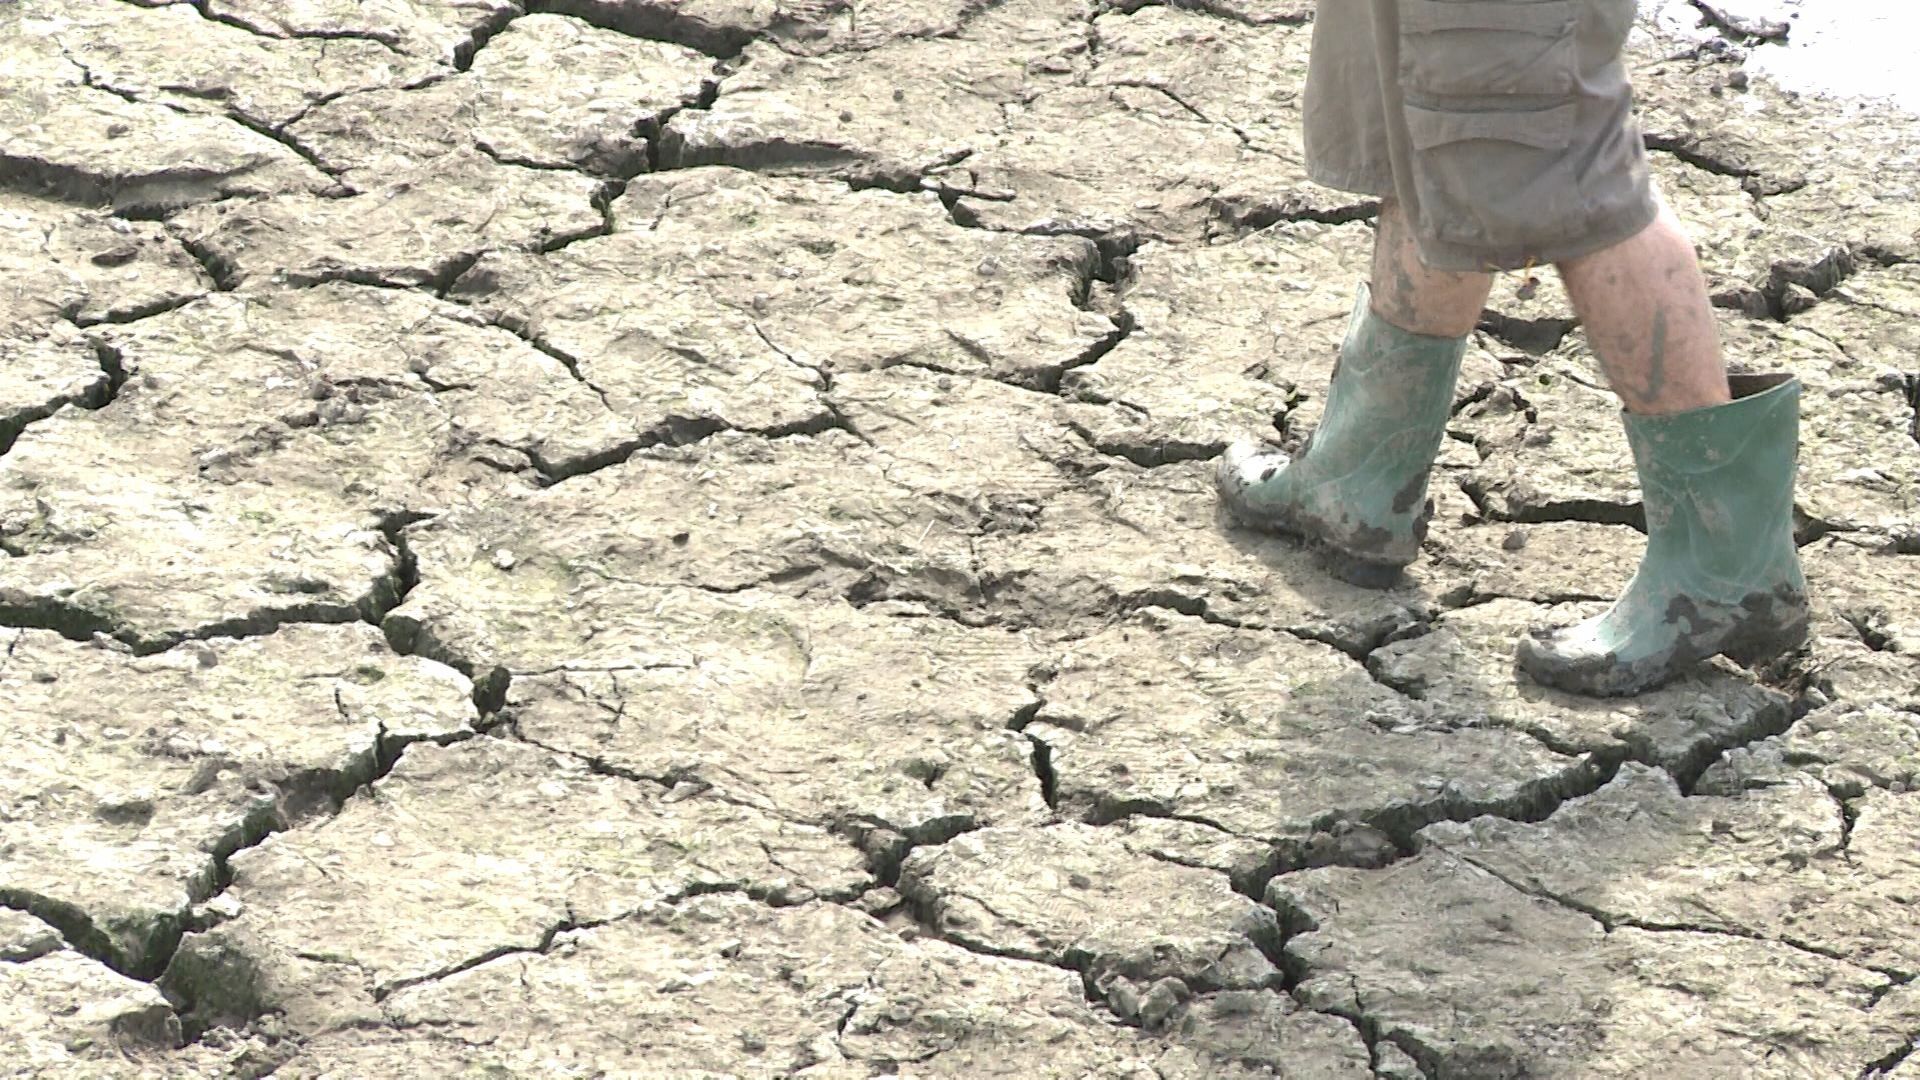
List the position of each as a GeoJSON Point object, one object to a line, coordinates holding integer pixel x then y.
{"type": "Point", "coordinates": [1545, 129]}
{"type": "Point", "coordinates": [1548, 18]}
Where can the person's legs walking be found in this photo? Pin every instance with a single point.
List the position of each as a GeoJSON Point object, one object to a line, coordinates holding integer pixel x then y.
{"type": "Point", "coordinates": [1500, 135]}
{"type": "Point", "coordinates": [1358, 488]}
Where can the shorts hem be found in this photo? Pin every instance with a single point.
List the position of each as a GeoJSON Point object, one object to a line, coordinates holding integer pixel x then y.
{"type": "Point", "coordinates": [1443, 255]}
{"type": "Point", "coordinates": [1358, 181]}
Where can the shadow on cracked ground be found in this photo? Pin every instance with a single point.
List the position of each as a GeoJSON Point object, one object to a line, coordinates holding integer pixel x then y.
{"type": "Point", "coordinates": [615, 537]}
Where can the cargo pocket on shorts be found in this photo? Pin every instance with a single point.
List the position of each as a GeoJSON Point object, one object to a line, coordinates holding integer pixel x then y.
{"type": "Point", "coordinates": [1483, 48]}
{"type": "Point", "coordinates": [1499, 181]}
{"type": "Point", "coordinates": [1488, 88]}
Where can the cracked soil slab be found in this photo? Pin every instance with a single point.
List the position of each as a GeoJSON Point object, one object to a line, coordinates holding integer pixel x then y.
{"type": "Point", "coordinates": [422, 227]}
{"type": "Point", "coordinates": [1473, 977]}
{"type": "Point", "coordinates": [266, 82]}
{"type": "Point", "coordinates": [1061, 895]}
{"type": "Point", "coordinates": [1464, 670]}
{"type": "Point", "coordinates": [481, 849]}
{"type": "Point", "coordinates": [442, 30]}
{"type": "Point", "coordinates": [760, 290]}
{"type": "Point", "coordinates": [62, 1014]}
{"type": "Point", "coordinates": [888, 727]}
{"type": "Point", "coordinates": [1781, 863]}
{"type": "Point", "coordinates": [61, 137]}
{"type": "Point", "coordinates": [548, 92]}
{"type": "Point", "coordinates": [1239, 730]}
{"type": "Point", "coordinates": [134, 778]}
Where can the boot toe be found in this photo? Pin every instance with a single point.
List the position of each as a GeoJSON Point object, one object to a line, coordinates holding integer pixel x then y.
{"type": "Point", "coordinates": [1575, 659]}
{"type": "Point", "coordinates": [1245, 467]}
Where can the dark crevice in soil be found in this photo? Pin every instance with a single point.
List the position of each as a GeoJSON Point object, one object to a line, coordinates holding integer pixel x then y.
{"type": "Point", "coordinates": [1473, 395]}
{"type": "Point", "coordinates": [1739, 29]}
{"type": "Point", "coordinates": [96, 396]}
{"type": "Point", "coordinates": [1043, 770]}
{"type": "Point", "coordinates": [651, 20]}
{"type": "Point", "coordinates": [406, 565]}
{"type": "Point", "coordinates": [237, 22]}
{"type": "Point", "coordinates": [1149, 451]}
{"type": "Point", "coordinates": [501, 157]}
{"type": "Point", "coordinates": [1870, 626]}
{"type": "Point", "coordinates": [797, 159]}
{"type": "Point", "coordinates": [1588, 511]}
{"type": "Point", "coordinates": [284, 138]}
{"type": "Point", "coordinates": [122, 316]}
{"type": "Point", "coordinates": [86, 937]}
{"type": "Point", "coordinates": [673, 431]}
{"type": "Point", "coordinates": [1217, 10]}
{"type": "Point", "coordinates": [1752, 181]}
{"type": "Point", "coordinates": [223, 274]}
{"type": "Point", "coordinates": [464, 53]}
{"type": "Point", "coordinates": [1792, 286]}
{"type": "Point", "coordinates": [603, 199]}
{"type": "Point", "coordinates": [115, 367]}
{"type": "Point", "coordinates": [1849, 820]}
{"type": "Point", "coordinates": [445, 275]}
{"type": "Point", "coordinates": [148, 198]}
{"type": "Point", "coordinates": [654, 130]}
{"type": "Point", "coordinates": [1114, 247]}
{"type": "Point", "coordinates": [1245, 216]}
{"type": "Point", "coordinates": [1774, 718]}
{"type": "Point", "coordinates": [1912, 385]}
{"type": "Point", "coordinates": [1048, 380]}
{"type": "Point", "coordinates": [1808, 529]}
{"type": "Point", "coordinates": [1375, 839]}
{"type": "Point", "coordinates": [1886, 1065]}
{"type": "Point", "coordinates": [1535, 337]}
{"type": "Point", "coordinates": [1182, 103]}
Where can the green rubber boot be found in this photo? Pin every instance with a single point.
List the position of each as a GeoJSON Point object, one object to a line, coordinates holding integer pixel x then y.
{"type": "Point", "coordinates": [1359, 487]}
{"type": "Point", "coordinates": [1721, 574]}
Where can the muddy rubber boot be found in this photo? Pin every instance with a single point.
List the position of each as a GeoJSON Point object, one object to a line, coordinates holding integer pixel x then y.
{"type": "Point", "coordinates": [1721, 574]}
{"type": "Point", "coordinates": [1358, 490]}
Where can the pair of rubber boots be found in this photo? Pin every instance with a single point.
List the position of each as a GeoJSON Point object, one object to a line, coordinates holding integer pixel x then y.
{"type": "Point", "coordinates": [1720, 575]}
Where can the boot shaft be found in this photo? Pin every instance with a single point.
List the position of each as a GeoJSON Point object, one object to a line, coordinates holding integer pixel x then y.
{"type": "Point", "coordinates": [1717, 483]}
{"type": "Point", "coordinates": [1388, 380]}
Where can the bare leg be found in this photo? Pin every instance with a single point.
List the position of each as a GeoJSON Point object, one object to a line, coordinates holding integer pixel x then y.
{"type": "Point", "coordinates": [1406, 293]}
{"type": "Point", "coordinates": [1645, 308]}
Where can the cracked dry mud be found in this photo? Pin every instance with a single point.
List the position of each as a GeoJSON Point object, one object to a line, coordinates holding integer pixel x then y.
{"type": "Point", "coordinates": [674, 538]}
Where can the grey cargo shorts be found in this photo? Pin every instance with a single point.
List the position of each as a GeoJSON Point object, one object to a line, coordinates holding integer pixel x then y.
{"type": "Point", "coordinates": [1504, 127]}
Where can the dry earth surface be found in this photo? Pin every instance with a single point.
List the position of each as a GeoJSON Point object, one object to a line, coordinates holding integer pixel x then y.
{"type": "Point", "coordinates": [671, 538]}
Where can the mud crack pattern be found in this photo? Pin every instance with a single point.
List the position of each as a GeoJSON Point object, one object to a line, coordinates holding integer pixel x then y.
{"type": "Point", "coordinates": [672, 538]}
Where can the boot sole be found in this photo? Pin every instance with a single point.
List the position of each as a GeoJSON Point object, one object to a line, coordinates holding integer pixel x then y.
{"type": "Point", "coordinates": [1611, 678]}
{"type": "Point", "coordinates": [1336, 561]}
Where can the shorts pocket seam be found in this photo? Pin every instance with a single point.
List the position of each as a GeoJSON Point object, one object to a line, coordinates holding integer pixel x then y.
{"type": "Point", "coordinates": [1507, 193]}
{"type": "Point", "coordinates": [1543, 129]}
{"type": "Point", "coordinates": [1541, 18]}
{"type": "Point", "coordinates": [1488, 47]}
